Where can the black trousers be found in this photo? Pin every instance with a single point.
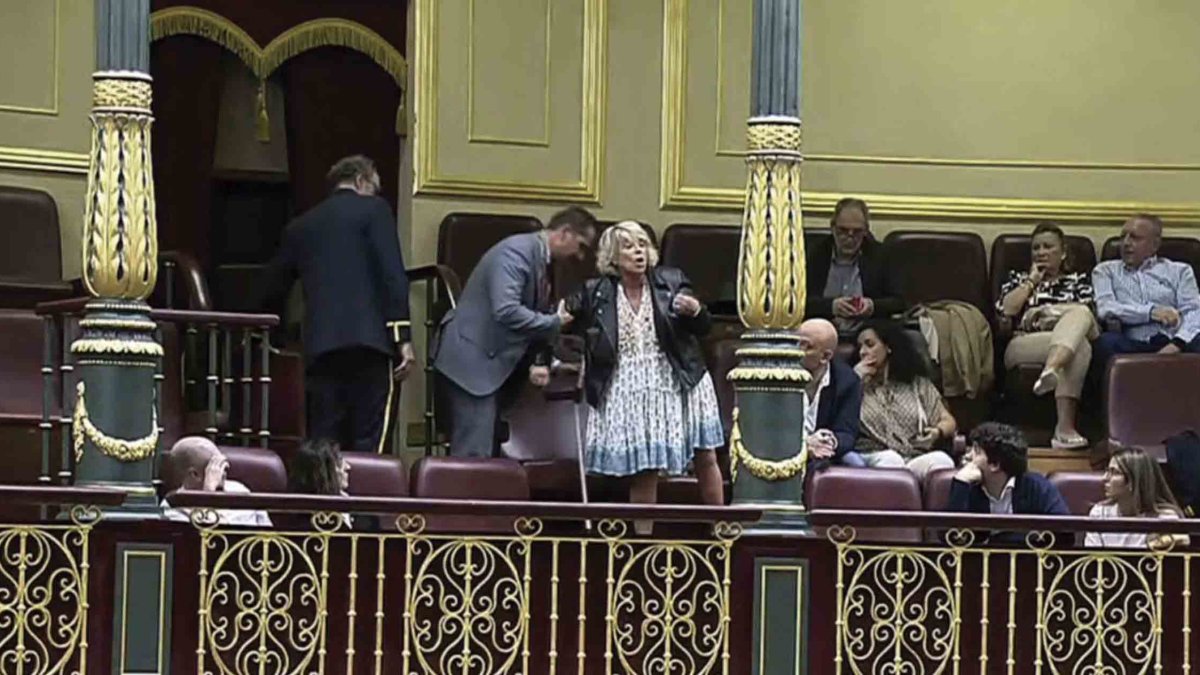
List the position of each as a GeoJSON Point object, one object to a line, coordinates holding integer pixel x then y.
{"type": "Point", "coordinates": [349, 396]}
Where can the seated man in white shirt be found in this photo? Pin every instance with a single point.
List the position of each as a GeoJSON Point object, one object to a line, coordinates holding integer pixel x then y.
{"type": "Point", "coordinates": [195, 463]}
{"type": "Point", "coordinates": [833, 397]}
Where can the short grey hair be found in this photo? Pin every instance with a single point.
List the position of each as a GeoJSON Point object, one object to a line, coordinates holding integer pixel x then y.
{"type": "Point", "coordinates": [609, 250]}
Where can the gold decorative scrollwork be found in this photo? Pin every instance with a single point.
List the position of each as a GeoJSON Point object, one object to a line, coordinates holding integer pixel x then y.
{"type": "Point", "coordinates": [1100, 614]}
{"type": "Point", "coordinates": [763, 469]}
{"type": "Point", "coordinates": [43, 596]}
{"type": "Point", "coordinates": [762, 136]}
{"type": "Point", "coordinates": [263, 602]}
{"type": "Point", "coordinates": [793, 375]}
{"type": "Point", "coordinates": [109, 346]}
{"type": "Point", "coordinates": [122, 93]}
{"type": "Point", "coordinates": [117, 448]}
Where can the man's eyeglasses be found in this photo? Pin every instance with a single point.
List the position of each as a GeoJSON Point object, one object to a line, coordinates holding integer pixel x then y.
{"type": "Point", "coordinates": [844, 232]}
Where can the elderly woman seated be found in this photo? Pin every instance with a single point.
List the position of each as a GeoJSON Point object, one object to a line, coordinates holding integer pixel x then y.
{"type": "Point", "coordinates": [1050, 307]}
{"type": "Point", "coordinates": [654, 405]}
{"type": "Point", "coordinates": [903, 416]}
{"type": "Point", "coordinates": [1134, 487]}
{"type": "Point", "coordinates": [195, 463]}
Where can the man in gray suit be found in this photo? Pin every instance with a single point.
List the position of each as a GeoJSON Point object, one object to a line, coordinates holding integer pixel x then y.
{"type": "Point", "coordinates": [503, 318]}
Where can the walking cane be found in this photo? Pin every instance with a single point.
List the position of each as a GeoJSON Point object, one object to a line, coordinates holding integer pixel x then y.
{"type": "Point", "coordinates": [581, 442]}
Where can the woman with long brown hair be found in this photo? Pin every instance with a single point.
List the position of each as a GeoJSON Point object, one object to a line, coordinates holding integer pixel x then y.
{"type": "Point", "coordinates": [1134, 487]}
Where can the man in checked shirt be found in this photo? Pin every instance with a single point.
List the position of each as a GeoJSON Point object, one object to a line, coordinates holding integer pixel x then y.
{"type": "Point", "coordinates": [1155, 299]}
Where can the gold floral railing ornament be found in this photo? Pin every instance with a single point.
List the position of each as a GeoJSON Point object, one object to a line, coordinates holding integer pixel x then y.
{"type": "Point", "coordinates": [44, 595]}
{"type": "Point", "coordinates": [933, 608]}
{"type": "Point", "coordinates": [766, 469]}
{"type": "Point", "coordinates": [771, 272]}
{"type": "Point", "coordinates": [269, 599]}
{"type": "Point", "coordinates": [120, 237]}
{"type": "Point", "coordinates": [120, 449]}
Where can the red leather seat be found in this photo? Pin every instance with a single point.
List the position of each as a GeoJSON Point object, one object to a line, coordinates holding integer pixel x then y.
{"type": "Point", "coordinates": [839, 487]}
{"type": "Point", "coordinates": [373, 475]}
{"type": "Point", "coordinates": [1080, 489]}
{"type": "Point", "coordinates": [707, 254]}
{"type": "Point", "coordinates": [543, 438]}
{"type": "Point", "coordinates": [931, 266]}
{"type": "Point", "coordinates": [1035, 415]}
{"type": "Point", "coordinates": [469, 478]}
{"type": "Point", "coordinates": [259, 469]}
{"type": "Point", "coordinates": [22, 336]}
{"type": "Point", "coordinates": [1152, 397]}
{"type": "Point", "coordinates": [463, 238]}
{"type": "Point", "coordinates": [936, 492]}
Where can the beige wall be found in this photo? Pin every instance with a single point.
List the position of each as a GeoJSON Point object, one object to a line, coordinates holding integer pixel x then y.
{"type": "Point", "coordinates": [45, 94]}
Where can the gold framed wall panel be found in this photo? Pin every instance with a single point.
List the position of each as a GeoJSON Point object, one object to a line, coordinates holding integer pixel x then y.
{"type": "Point", "coordinates": [677, 192]}
{"type": "Point", "coordinates": [55, 63]}
{"type": "Point", "coordinates": [432, 180]}
{"type": "Point", "coordinates": [472, 136]}
{"type": "Point", "coordinates": [51, 161]}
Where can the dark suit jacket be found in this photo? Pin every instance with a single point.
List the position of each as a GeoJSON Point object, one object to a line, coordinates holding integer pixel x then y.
{"type": "Point", "coordinates": [839, 406]}
{"type": "Point", "coordinates": [595, 311]}
{"type": "Point", "coordinates": [1032, 495]}
{"type": "Point", "coordinates": [504, 312]}
{"type": "Point", "coordinates": [348, 258]}
{"type": "Point", "coordinates": [872, 266]}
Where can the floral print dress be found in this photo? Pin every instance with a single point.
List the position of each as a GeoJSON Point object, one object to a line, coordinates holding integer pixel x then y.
{"type": "Point", "coordinates": [646, 422]}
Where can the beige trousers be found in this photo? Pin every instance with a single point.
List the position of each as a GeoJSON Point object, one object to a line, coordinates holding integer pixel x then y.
{"type": "Point", "coordinates": [1074, 331]}
{"type": "Point", "coordinates": [920, 465]}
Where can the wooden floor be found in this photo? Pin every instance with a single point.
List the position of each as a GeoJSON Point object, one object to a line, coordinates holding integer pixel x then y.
{"type": "Point", "coordinates": [1049, 460]}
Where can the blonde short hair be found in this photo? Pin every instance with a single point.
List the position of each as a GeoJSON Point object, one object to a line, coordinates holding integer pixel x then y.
{"type": "Point", "coordinates": [611, 241]}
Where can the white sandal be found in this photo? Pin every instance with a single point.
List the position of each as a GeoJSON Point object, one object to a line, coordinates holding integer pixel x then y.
{"type": "Point", "coordinates": [1046, 382]}
{"type": "Point", "coordinates": [1076, 442]}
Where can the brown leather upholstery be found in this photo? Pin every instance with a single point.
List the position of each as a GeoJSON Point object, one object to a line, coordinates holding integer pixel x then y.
{"type": "Point", "coordinates": [1034, 414]}
{"type": "Point", "coordinates": [542, 436]}
{"type": "Point", "coordinates": [21, 339]}
{"type": "Point", "coordinates": [839, 487]}
{"type": "Point", "coordinates": [707, 254]}
{"type": "Point", "coordinates": [1080, 489]}
{"type": "Point", "coordinates": [463, 238]}
{"type": "Point", "coordinates": [469, 478]}
{"type": "Point", "coordinates": [931, 266]}
{"type": "Point", "coordinates": [1179, 249]}
{"type": "Point", "coordinates": [30, 217]}
{"type": "Point", "coordinates": [1152, 397]}
{"type": "Point", "coordinates": [259, 469]}
{"type": "Point", "coordinates": [373, 475]}
{"type": "Point", "coordinates": [936, 492]}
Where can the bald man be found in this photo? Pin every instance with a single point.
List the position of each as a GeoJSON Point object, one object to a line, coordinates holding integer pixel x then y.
{"type": "Point", "coordinates": [195, 463]}
{"type": "Point", "coordinates": [833, 398]}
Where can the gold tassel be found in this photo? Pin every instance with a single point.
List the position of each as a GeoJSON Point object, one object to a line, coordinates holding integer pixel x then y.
{"type": "Point", "coordinates": [262, 123]}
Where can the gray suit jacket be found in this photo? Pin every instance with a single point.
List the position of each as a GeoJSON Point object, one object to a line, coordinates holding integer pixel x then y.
{"type": "Point", "coordinates": [497, 320]}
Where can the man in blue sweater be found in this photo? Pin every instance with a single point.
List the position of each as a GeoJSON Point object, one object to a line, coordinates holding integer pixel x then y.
{"type": "Point", "coordinates": [994, 477]}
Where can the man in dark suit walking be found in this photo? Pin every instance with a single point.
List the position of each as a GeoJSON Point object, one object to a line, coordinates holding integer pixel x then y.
{"type": "Point", "coordinates": [356, 324]}
{"type": "Point", "coordinates": [488, 341]}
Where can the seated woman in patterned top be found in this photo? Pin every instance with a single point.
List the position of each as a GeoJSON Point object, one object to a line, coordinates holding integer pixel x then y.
{"type": "Point", "coordinates": [654, 407]}
{"type": "Point", "coordinates": [1134, 487]}
{"type": "Point", "coordinates": [903, 416]}
{"type": "Point", "coordinates": [1050, 307]}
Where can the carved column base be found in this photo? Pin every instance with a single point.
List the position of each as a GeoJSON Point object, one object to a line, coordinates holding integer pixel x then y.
{"type": "Point", "coordinates": [114, 419]}
{"type": "Point", "coordinates": [766, 447]}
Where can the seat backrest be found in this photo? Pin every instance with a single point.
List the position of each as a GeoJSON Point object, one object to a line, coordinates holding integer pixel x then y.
{"type": "Point", "coordinates": [929, 266]}
{"type": "Point", "coordinates": [373, 475]}
{"type": "Point", "coordinates": [1079, 489]}
{"type": "Point", "coordinates": [539, 429]}
{"type": "Point", "coordinates": [469, 478]}
{"type": "Point", "coordinates": [259, 469]}
{"type": "Point", "coordinates": [1152, 397]}
{"type": "Point", "coordinates": [708, 255]}
{"type": "Point", "coordinates": [1012, 252]}
{"type": "Point", "coordinates": [463, 238]}
{"type": "Point", "coordinates": [31, 218]}
{"type": "Point", "coordinates": [936, 492]}
{"type": "Point", "coordinates": [22, 337]}
{"type": "Point", "coordinates": [839, 487]}
{"type": "Point", "coordinates": [1179, 249]}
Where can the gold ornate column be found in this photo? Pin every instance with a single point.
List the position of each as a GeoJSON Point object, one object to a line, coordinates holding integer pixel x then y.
{"type": "Point", "coordinates": [114, 422]}
{"type": "Point", "coordinates": [767, 445]}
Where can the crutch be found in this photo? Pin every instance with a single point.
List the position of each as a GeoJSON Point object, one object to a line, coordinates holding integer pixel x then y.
{"type": "Point", "coordinates": [576, 397]}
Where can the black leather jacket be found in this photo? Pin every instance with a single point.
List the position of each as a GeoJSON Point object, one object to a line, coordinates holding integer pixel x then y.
{"type": "Point", "coordinates": [595, 311]}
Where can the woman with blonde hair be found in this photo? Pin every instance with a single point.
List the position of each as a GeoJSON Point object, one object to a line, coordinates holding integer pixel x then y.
{"type": "Point", "coordinates": [1134, 487]}
{"type": "Point", "coordinates": [654, 407]}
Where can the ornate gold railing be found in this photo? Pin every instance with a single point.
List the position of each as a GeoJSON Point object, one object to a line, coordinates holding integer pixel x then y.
{"type": "Point", "coordinates": [44, 576]}
{"type": "Point", "coordinates": [1007, 595]}
{"type": "Point", "coordinates": [537, 594]}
